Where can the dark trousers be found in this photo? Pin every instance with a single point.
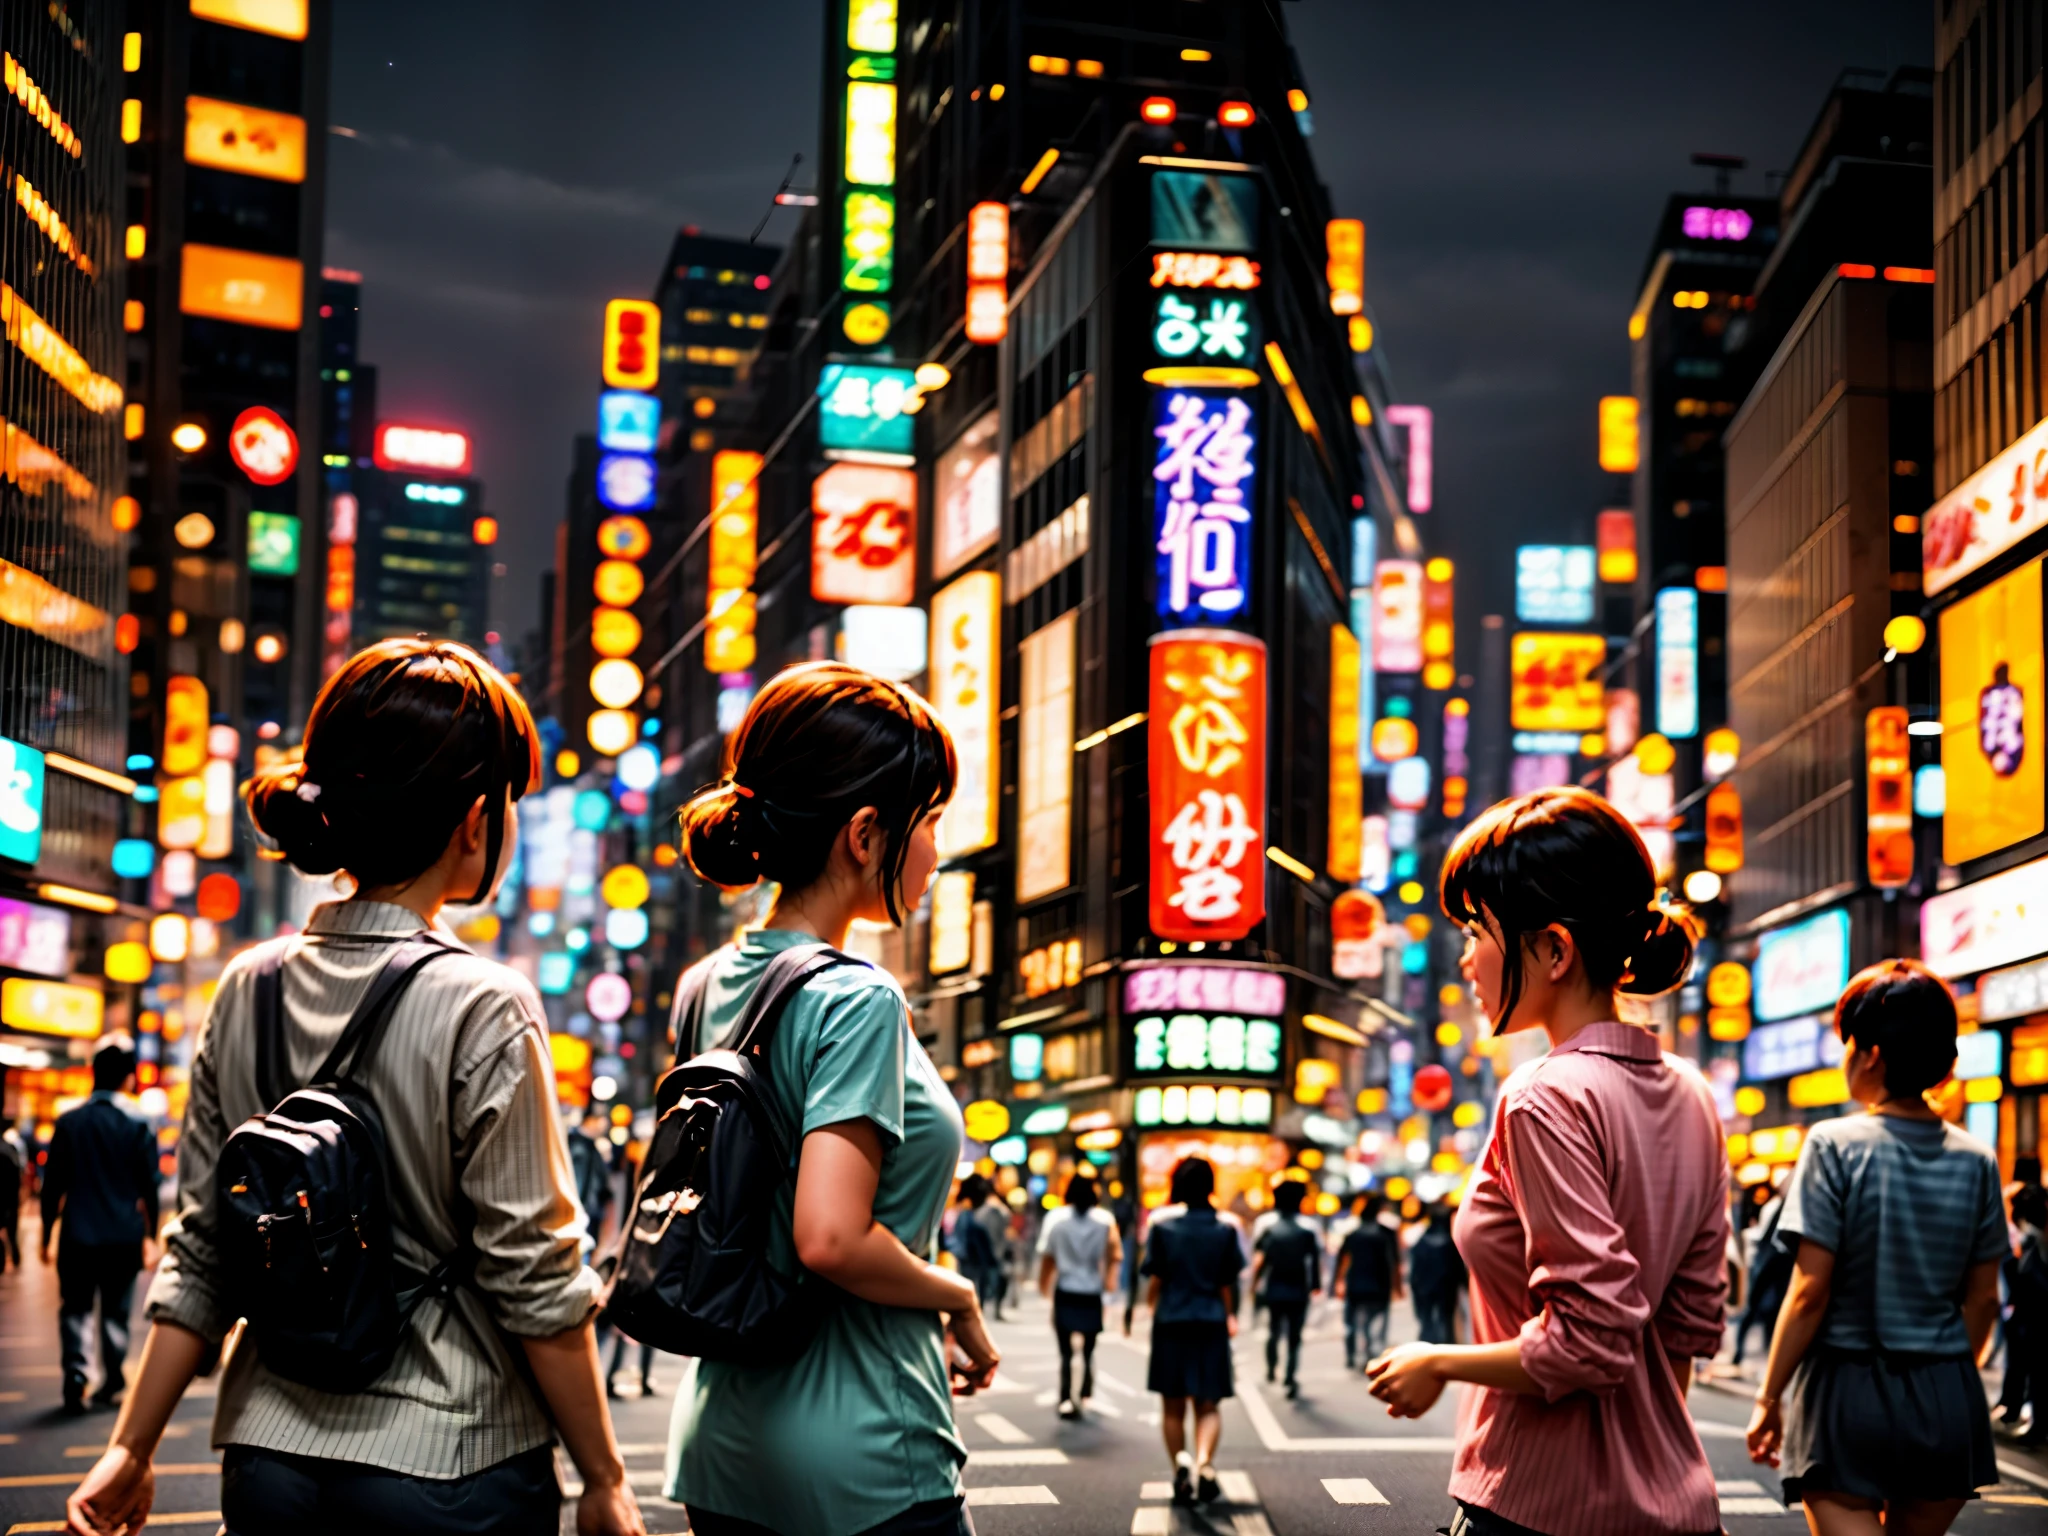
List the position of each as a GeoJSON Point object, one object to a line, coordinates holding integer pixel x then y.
{"type": "Point", "coordinates": [619, 1343]}
{"type": "Point", "coordinates": [1365, 1328]}
{"type": "Point", "coordinates": [88, 1273]}
{"type": "Point", "coordinates": [1285, 1316]}
{"type": "Point", "coordinates": [934, 1517]}
{"type": "Point", "coordinates": [268, 1493]}
{"type": "Point", "coordinates": [1433, 1314]}
{"type": "Point", "coordinates": [1066, 1344]}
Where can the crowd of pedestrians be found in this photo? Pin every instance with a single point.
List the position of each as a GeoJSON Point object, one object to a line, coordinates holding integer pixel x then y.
{"type": "Point", "coordinates": [1582, 1275]}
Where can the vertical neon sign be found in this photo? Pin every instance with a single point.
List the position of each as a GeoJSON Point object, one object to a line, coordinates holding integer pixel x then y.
{"type": "Point", "coordinates": [867, 261]}
{"type": "Point", "coordinates": [1202, 474]}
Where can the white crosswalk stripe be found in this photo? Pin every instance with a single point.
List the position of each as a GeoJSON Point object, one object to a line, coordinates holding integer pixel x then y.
{"type": "Point", "coordinates": [996, 1427]}
{"type": "Point", "coordinates": [1041, 1456]}
{"type": "Point", "coordinates": [1027, 1493]}
{"type": "Point", "coordinates": [1353, 1490]}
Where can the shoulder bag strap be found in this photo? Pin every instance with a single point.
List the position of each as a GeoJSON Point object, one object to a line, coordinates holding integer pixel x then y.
{"type": "Point", "coordinates": [686, 1011]}
{"type": "Point", "coordinates": [365, 1031]}
{"type": "Point", "coordinates": [271, 1059]}
{"type": "Point", "coordinates": [787, 974]}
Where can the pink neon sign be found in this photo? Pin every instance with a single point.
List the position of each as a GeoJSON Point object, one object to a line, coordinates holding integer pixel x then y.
{"type": "Point", "coordinates": [1420, 422]}
{"type": "Point", "coordinates": [1717, 224]}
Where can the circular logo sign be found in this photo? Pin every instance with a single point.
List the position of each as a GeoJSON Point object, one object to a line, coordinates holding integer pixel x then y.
{"type": "Point", "coordinates": [263, 447]}
{"type": "Point", "coordinates": [608, 997]}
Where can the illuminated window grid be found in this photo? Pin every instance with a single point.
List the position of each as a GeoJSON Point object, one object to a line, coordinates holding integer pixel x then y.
{"type": "Point", "coordinates": [63, 581]}
{"type": "Point", "coordinates": [1045, 760]}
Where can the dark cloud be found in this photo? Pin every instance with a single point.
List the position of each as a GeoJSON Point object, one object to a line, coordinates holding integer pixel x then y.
{"type": "Point", "coordinates": [517, 164]}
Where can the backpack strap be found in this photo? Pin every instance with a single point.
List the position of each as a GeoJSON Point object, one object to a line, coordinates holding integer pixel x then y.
{"type": "Point", "coordinates": [686, 1012]}
{"type": "Point", "coordinates": [271, 1059]}
{"type": "Point", "coordinates": [787, 974]}
{"type": "Point", "coordinates": [365, 1030]}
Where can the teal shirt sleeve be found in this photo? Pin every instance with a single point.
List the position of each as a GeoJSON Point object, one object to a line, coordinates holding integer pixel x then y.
{"type": "Point", "coordinates": [856, 1061]}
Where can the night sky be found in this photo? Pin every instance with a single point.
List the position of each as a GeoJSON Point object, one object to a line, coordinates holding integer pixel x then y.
{"type": "Point", "coordinates": [509, 167]}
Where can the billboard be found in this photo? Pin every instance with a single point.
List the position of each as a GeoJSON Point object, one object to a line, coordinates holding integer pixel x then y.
{"type": "Point", "coordinates": [864, 534]}
{"type": "Point", "coordinates": [221, 284]}
{"type": "Point", "coordinates": [1045, 759]}
{"type": "Point", "coordinates": [1347, 788]}
{"type": "Point", "coordinates": [964, 692]}
{"type": "Point", "coordinates": [1207, 778]}
{"type": "Point", "coordinates": [1204, 211]}
{"type": "Point", "coordinates": [860, 410]}
{"type": "Point", "coordinates": [1992, 718]}
{"type": "Point", "coordinates": [1678, 662]}
{"type": "Point", "coordinates": [2004, 502]}
{"type": "Point", "coordinates": [1554, 583]}
{"type": "Point", "coordinates": [1996, 921]}
{"type": "Point", "coordinates": [1202, 499]}
{"type": "Point", "coordinates": [970, 494]}
{"type": "Point", "coordinates": [1802, 968]}
{"type": "Point", "coordinates": [1397, 616]}
{"type": "Point", "coordinates": [632, 344]}
{"type": "Point", "coordinates": [1556, 683]}
{"type": "Point", "coordinates": [227, 136]}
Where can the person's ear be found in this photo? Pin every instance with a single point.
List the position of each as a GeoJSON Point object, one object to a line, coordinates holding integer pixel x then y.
{"type": "Point", "coordinates": [473, 827]}
{"type": "Point", "coordinates": [1561, 951]}
{"type": "Point", "coordinates": [862, 836]}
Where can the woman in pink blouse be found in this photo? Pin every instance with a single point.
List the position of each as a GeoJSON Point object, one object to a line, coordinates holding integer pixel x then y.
{"type": "Point", "coordinates": [1595, 1223]}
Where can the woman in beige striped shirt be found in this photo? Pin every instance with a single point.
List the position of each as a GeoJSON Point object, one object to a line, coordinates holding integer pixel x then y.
{"type": "Point", "coordinates": [415, 753]}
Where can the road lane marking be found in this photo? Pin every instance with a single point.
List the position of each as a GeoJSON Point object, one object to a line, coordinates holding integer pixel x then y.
{"type": "Point", "coordinates": [1353, 1490]}
{"type": "Point", "coordinates": [1042, 1456]}
{"type": "Point", "coordinates": [1103, 1378]}
{"type": "Point", "coordinates": [197, 1517]}
{"type": "Point", "coordinates": [999, 1428]}
{"type": "Point", "coordinates": [1146, 1520]}
{"type": "Point", "coordinates": [1237, 1487]}
{"type": "Point", "coordinates": [1252, 1522]}
{"type": "Point", "coordinates": [64, 1479]}
{"type": "Point", "coordinates": [2016, 1498]}
{"type": "Point", "coordinates": [1276, 1438]}
{"type": "Point", "coordinates": [1762, 1506]}
{"type": "Point", "coordinates": [2021, 1474]}
{"type": "Point", "coordinates": [1027, 1493]}
{"type": "Point", "coordinates": [1738, 1486]}
{"type": "Point", "coordinates": [1155, 1490]}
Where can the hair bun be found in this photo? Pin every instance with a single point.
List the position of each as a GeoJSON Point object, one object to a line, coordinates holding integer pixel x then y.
{"type": "Point", "coordinates": [724, 837]}
{"type": "Point", "coordinates": [291, 820]}
{"type": "Point", "coordinates": [1661, 958]}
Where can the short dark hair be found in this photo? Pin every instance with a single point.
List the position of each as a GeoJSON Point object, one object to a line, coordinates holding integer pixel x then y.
{"type": "Point", "coordinates": [1081, 1191]}
{"type": "Point", "coordinates": [113, 1061]}
{"type": "Point", "coordinates": [1194, 1181]}
{"type": "Point", "coordinates": [1287, 1197]}
{"type": "Point", "coordinates": [1909, 1014]}
{"type": "Point", "coordinates": [2030, 1203]}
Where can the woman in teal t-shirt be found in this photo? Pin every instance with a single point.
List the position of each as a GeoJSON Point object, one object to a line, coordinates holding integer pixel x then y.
{"type": "Point", "coordinates": [838, 780]}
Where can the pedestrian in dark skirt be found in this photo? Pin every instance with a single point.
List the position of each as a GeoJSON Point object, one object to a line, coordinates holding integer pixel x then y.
{"type": "Point", "coordinates": [1193, 1260]}
{"type": "Point", "coordinates": [1079, 1253]}
{"type": "Point", "coordinates": [1871, 1405]}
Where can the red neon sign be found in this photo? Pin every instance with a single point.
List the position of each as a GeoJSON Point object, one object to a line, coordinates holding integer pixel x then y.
{"type": "Point", "coordinates": [1207, 750]}
{"type": "Point", "coordinates": [430, 448]}
{"type": "Point", "coordinates": [262, 446]}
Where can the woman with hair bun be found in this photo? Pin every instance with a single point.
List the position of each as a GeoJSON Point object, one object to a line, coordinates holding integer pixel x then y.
{"type": "Point", "coordinates": [414, 755]}
{"type": "Point", "coordinates": [1871, 1405]}
{"type": "Point", "coordinates": [1595, 1223]}
{"type": "Point", "coordinates": [838, 779]}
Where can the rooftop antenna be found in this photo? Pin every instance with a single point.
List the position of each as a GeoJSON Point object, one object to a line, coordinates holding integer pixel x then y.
{"type": "Point", "coordinates": [1723, 166]}
{"type": "Point", "coordinates": [784, 198]}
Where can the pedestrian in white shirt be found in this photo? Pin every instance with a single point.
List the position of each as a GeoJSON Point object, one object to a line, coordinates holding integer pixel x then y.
{"type": "Point", "coordinates": [1079, 1251]}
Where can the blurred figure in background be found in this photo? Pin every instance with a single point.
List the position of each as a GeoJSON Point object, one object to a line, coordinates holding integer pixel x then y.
{"type": "Point", "coordinates": [101, 1183]}
{"type": "Point", "coordinates": [1193, 1259]}
{"type": "Point", "coordinates": [2018, 1387]}
{"type": "Point", "coordinates": [992, 1215]}
{"type": "Point", "coordinates": [590, 1157]}
{"type": "Point", "coordinates": [13, 1165]}
{"type": "Point", "coordinates": [2026, 1335]}
{"type": "Point", "coordinates": [971, 1243]}
{"type": "Point", "coordinates": [1770, 1271]}
{"type": "Point", "coordinates": [1369, 1281]}
{"type": "Point", "coordinates": [1436, 1275]}
{"type": "Point", "coordinates": [1079, 1252]}
{"type": "Point", "coordinates": [1287, 1270]}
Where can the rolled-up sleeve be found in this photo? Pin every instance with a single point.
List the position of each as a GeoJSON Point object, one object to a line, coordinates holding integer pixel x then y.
{"type": "Point", "coordinates": [186, 1289]}
{"type": "Point", "coordinates": [1694, 1311]}
{"type": "Point", "coordinates": [513, 1166]}
{"type": "Point", "coordinates": [1589, 1325]}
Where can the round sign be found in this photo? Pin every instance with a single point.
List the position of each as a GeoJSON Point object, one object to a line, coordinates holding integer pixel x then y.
{"type": "Point", "coordinates": [1431, 1090]}
{"type": "Point", "coordinates": [609, 995]}
{"type": "Point", "coordinates": [624, 885]}
{"type": "Point", "coordinates": [986, 1120]}
{"type": "Point", "coordinates": [639, 767]}
{"type": "Point", "coordinates": [262, 446]}
{"type": "Point", "coordinates": [1356, 915]}
{"type": "Point", "coordinates": [624, 538]}
{"type": "Point", "coordinates": [625, 927]}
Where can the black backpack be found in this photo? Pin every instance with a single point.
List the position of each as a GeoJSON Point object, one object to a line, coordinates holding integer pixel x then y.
{"type": "Point", "coordinates": [303, 1199]}
{"type": "Point", "coordinates": [689, 1267]}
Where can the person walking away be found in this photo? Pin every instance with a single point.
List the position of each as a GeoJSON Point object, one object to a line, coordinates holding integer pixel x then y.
{"type": "Point", "coordinates": [100, 1207]}
{"type": "Point", "coordinates": [414, 757]}
{"type": "Point", "coordinates": [1770, 1271]}
{"type": "Point", "coordinates": [590, 1159]}
{"type": "Point", "coordinates": [838, 779]}
{"type": "Point", "coordinates": [1436, 1275]}
{"type": "Point", "coordinates": [13, 1162]}
{"type": "Point", "coordinates": [992, 1215]}
{"type": "Point", "coordinates": [1871, 1406]}
{"type": "Point", "coordinates": [1287, 1269]}
{"type": "Point", "coordinates": [1193, 1260]}
{"type": "Point", "coordinates": [1595, 1222]}
{"type": "Point", "coordinates": [971, 1244]}
{"type": "Point", "coordinates": [1369, 1281]}
{"type": "Point", "coordinates": [2027, 1332]}
{"type": "Point", "coordinates": [2016, 1389]}
{"type": "Point", "coordinates": [1079, 1251]}
{"type": "Point", "coordinates": [617, 1357]}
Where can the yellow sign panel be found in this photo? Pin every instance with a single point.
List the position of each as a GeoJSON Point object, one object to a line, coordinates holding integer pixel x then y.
{"type": "Point", "coordinates": [965, 684]}
{"type": "Point", "coordinates": [51, 1008]}
{"type": "Point", "coordinates": [632, 344]}
{"type": "Point", "coordinates": [230, 137]}
{"type": "Point", "coordinates": [952, 930]}
{"type": "Point", "coordinates": [1556, 682]}
{"type": "Point", "coordinates": [221, 284]}
{"type": "Point", "coordinates": [280, 18]}
{"type": "Point", "coordinates": [1992, 717]}
{"type": "Point", "coordinates": [986, 1120]}
{"type": "Point", "coordinates": [1347, 791]}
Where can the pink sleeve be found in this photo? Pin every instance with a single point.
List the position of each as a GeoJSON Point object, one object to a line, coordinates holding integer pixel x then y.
{"type": "Point", "coordinates": [1694, 1308]}
{"type": "Point", "coordinates": [1585, 1336]}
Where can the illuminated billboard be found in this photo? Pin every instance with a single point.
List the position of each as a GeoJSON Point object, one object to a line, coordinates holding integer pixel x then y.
{"type": "Point", "coordinates": [1397, 616]}
{"type": "Point", "coordinates": [279, 18]}
{"type": "Point", "coordinates": [632, 344]}
{"type": "Point", "coordinates": [1203, 491]}
{"type": "Point", "coordinates": [403, 447]}
{"type": "Point", "coordinates": [735, 531]}
{"type": "Point", "coordinates": [1802, 968]}
{"type": "Point", "coordinates": [1992, 718]}
{"type": "Point", "coordinates": [1419, 423]}
{"type": "Point", "coordinates": [1206, 328]}
{"type": "Point", "coordinates": [227, 136]}
{"type": "Point", "coordinates": [1045, 759]}
{"type": "Point", "coordinates": [864, 534]}
{"type": "Point", "coordinates": [860, 410]}
{"type": "Point", "coordinates": [965, 692]}
{"type": "Point", "coordinates": [969, 478]}
{"type": "Point", "coordinates": [1556, 683]}
{"type": "Point", "coordinates": [1347, 789]}
{"type": "Point", "coordinates": [220, 284]}
{"type": "Point", "coordinates": [21, 802]}
{"type": "Point", "coordinates": [1205, 211]}
{"type": "Point", "coordinates": [2004, 502]}
{"type": "Point", "coordinates": [628, 421]}
{"type": "Point", "coordinates": [1990, 922]}
{"type": "Point", "coordinates": [1207, 777]}
{"type": "Point", "coordinates": [1678, 662]}
{"type": "Point", "coordinates": [1554, 583]}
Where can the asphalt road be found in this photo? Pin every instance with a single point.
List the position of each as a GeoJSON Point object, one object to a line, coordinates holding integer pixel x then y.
{"type": "Point", "coordinates": [1329, 1462]}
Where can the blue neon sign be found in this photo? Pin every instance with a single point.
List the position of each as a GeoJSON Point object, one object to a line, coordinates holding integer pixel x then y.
{"type": "Point", "coordinates": [21, 802]}
{"type": "Point", "coordinates": [625, 481]}
{"type": "Point", "coordinates": [1203, 489]}
{"type": "Point", "coordinates": [628, 421]}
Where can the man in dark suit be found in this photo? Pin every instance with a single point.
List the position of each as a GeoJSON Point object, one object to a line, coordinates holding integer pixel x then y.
{"type": "Point", "coordinates": [101, 1183]}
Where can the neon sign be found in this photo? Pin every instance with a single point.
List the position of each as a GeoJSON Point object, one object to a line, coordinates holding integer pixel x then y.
{"type": "Point", "coordinates": [1216, 327]}
{"type": "Point", "coordinates": [1203, 269]}
{"type": "Point", "coordinates": [400, 447]}
{"type": "Point", "coordinates": [627, 421]}
{"type": "Point", "coordinates": [625, 481]}
{"type": "Point", "coordinates": [1702, 223]}
{"type": "Point", "coordinates": [860, 409]}
{"type": "Point", "coordinates": [262, 446]}
{"type": "Point", "coordinates": [1678, 665]}
{"type": "Point", "coordinates": [1205, 989]}
{"type": "Point", "coordinates": [1197, 1042]}
{"type": "Point", "coordinates": [867, 262]}
{"type": "Point", "coordinates": [1421, 423]}
{"type": "Point", "coordinates": [1202, 472]}
{"type": "Point", "coordinates": [864, 535]}
{"type": "Point", "coordinates": [1207, 752]}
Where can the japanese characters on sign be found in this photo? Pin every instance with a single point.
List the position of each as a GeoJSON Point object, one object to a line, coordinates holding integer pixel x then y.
{"type": "Point", "coordinates": [864, 534]}
{"type": "Point", "coordinates": [1678, 662]}
{"type": "Point", "coordinates": [970, 496]}
{"type": "Point", "coordinates": [860, 412]}
{"type": "Point", "coordinates": [1992, 716]}
{"type": "Point", "coordinates": [1554, 583]}
{"type": "Point", "coordinates": [1216, 327]}
{"type": "Point", "coordinates": [964, 693]}
{"type": "Point", "coordinates": [1556, 682]}
{"type": "Point", "coordinates": [1203, 269]}
{"type": "Point", "coordinates": [1202, 474]}
{"type": "Point", "coordinates": [2004, 502]}
{"type": "Point", "coordinates": [1205, 989]}
{"type": "Point", "coordinates": [1207, 751]}
{"type": "Point", "coordinates": [1205, 1042]}
{"type": "Point", "coordinates": [729, 604]}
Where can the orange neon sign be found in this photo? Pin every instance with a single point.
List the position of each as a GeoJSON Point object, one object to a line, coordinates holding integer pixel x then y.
{"type": "Point", "coordinates": [1347, 790]}
{"type": "Point", "coordinates": [1207, 751]}
{"type": "Point", "coordinates": [632, 344]}
{"type": "Point", "coordinates": [1203, 269]}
